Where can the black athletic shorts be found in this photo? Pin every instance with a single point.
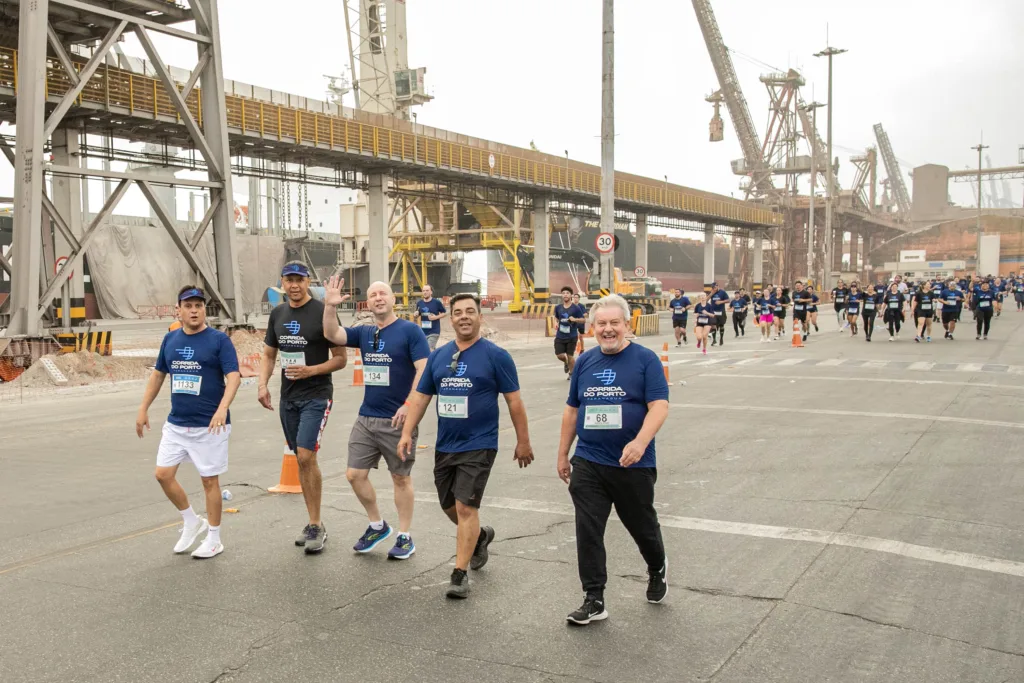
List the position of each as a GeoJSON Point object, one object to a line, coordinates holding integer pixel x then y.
{"type": "Point", "coordinates": [799, 315]}
{"type": "Point", "coordinates": [679, 323]}
{"type": "Point", "coordinates": [780, 315]}
{"type": "Point", "coordinates": [949, 317]}
{"type": "Point", "coordinates": [720, 319]}
{"type": "Point", "coordinates": [462, 476]}
{"type": "Point", "coordinates": [566, 346]}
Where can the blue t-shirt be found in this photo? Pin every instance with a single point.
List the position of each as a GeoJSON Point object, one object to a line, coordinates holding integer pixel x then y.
{"type": "Point", "coordinates": [718, 301]}
{"type": "Point", "coordinates": [853, 301]}
{"type": "Point", "coordinates": [983, 300]}
{"type": "Point", "coordinates": [738, 304]}
{"type": "Point", "coordinates": [814, 302]}
{"type": "Point", "coordinates": [679, 307]}
{"type": "Point", "coordinates": [705, 314]}
{"type": "Point", "coordinates": [432, 307]}
{"type": "Point", "coordinates": [611, 393]}
{"type": "Point", "coordinates": [566, 329]}
{"type": "Point", "coordinates": [197, 364]}
{"type": "Point", "coordinates": [467, 397]}
{"type": "Point", "coordinates": [388, 370]}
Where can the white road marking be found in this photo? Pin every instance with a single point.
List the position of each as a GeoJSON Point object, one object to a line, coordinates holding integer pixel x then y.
{"type": "Point", "coordinates": [681, 361]}
{"type": "Point", "coordinates": [791, 361]}
{"type": "Point", "coordinates": [749, 361]}
{"type": "Point", "coordinates": [874, 364]}
{"type": "Point", "coordinates": [921, 365]}
{"type": "Point", "coordinates": [716, 526]}
{"type": "Point", "coordinates": [855, 413]}
{"type": "Point", "coordinates": [540, 366]}
{"type": "Point", "coordinates": [866, 379]}
{"type": "Point", "coordinates": [831, 362]}
{"type": "Point", "coordinates": [969, 367]}
{"type": "Point", "coordinates": [712, 361]}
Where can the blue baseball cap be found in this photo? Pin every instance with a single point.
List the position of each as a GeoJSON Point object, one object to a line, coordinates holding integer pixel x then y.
{"type": "Point", "coordinates": [193, 293]}
{"type": "Point", "coordinates": [295, 269]}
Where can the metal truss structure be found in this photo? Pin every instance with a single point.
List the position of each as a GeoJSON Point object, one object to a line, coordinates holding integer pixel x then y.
{"type": "Point", "coordinates": [60, 24]}
{"type": "Point", "coordinates": [372, 78]}
{"type": "Point", "coordinates": [892, 169]}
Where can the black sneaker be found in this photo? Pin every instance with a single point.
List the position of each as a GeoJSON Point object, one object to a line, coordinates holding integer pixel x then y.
{"type": "Point", "coordinates": [657, 584]}
{"type": "Point", "coordinates": [301, 540]}
{"type": "Point", "coordinates": [459, 586]}
{"type": "Point", "coordinates": [714, 342]}
{"type": "Point", "coordinates": [591, 610]}
{"type": "Point", "coordinates": [479, 558]}
{"type": "Point", "coordinates": [316, 536]}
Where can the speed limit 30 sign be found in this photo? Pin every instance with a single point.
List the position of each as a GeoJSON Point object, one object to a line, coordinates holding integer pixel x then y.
{"type": "Point", "coordinates": [640, 271]}
{"type": "Point", "coordinates": [605, 243]}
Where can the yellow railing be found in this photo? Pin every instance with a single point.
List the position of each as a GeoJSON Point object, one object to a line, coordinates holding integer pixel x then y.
{"type": "Point", "coordinates": [145, 97]}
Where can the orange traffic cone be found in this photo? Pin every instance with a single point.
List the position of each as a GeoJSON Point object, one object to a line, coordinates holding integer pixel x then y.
{"type": "Point", "coordinates": [664, 361]}
{"type": "Point", "coordinates": [289, 482]}
{"type": "Point", "coordinates": [798, 342]}
{"type": "Point", "coordinates": [357, 371]}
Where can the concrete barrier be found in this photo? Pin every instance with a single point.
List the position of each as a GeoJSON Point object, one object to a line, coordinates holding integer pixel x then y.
{"type": "Point", "coordinates": [646, 325]}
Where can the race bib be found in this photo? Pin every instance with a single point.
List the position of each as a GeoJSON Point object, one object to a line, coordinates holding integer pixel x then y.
{"type": "Point", "coordinates": [926, 307]}
{"type": "Point", "coordinates": [951, 302]}
{"type": "Point", "coordinates": [894, 304]}
{"type": "Point", "coordinates": [840, 299]}
{"type": "Point", "coordinates": [798, 307]}
{"type": "Point", "coordinates": [602, 417]}
{"type": "Point", "coordinates": [869, 305]}
{"type": "Point", "coordinates": [377, 375]}
{"type": "Point", "coordinates": [289, 358]}
{"type": "Point", "coordinates": [186, 384]}
{"type": "Point", "coordinates": [453, 406]}
{"type": "Point", "coordinates": [564, 328]}
{"type": "Point", "coordinates": [984, 304]}
{"type": "Point", "coordinates": [702, 320]}
{"type": "Point", "coordinates": [426, 324]}
{"type": "Point", "coordinates": [679, 310]}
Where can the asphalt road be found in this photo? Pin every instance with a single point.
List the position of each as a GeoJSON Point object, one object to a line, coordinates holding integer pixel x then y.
{"type": "Point", "coordinates": [842, 512]}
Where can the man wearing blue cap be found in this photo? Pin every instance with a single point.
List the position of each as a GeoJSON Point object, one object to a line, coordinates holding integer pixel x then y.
{"type": "Point", "coordinates": [204, 374]}
{"type": "Point", "coordinates": [295, 338]}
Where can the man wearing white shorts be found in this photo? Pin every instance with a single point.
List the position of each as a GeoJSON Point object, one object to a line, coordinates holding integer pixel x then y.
{"type": "Point", "coordinates": [204, 374]}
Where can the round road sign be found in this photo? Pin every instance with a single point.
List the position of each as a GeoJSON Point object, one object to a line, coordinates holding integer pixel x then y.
{"type": "Point", "coordinates": [605, 243]}
{"type": "Point", "coordinates": [639, 271]}
{"type": "Point", "coordinates": [490, 161]}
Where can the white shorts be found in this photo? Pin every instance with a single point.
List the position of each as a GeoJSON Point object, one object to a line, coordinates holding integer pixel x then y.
{"type": "Point", "coordinates": [208, 452]}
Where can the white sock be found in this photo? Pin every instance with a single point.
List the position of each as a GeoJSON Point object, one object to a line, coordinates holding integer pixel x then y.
{"type": "Point", "coordinates": [405, 533]}
{"type": "Point", "coordinates": [378, 525]}
{"type": "Point", "coordinates": [214, 534]}
{"type": "Point", "coordinates": [189, 516]}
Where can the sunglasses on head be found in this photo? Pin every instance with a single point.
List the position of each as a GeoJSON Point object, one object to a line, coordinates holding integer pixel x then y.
{"type": "Point", "coordinates": [455, 361]}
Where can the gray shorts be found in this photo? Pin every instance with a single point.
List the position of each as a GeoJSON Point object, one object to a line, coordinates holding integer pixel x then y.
{"type": "Point", "coordinates": [373, 437]}
{"type": "Point", "coordinates": [432, 340]}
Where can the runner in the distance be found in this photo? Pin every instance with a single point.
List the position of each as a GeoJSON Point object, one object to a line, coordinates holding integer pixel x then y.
{"type": "Point", "coordinates": [739, 307]}
{"type": "Point", "coordinates": [568, 316]}
{"type": "Point", "coordinates": [295, 337]}
{"type": "Point", "coordinates": [467, 375]}
{"type": "Point", "coordinates": [718, 300]}
{"type": "Point", "coordinates": [801, 305]}
{"type": "Point", "coordinates": [922, 308]}
{"type": "Point", "coordinates": [204, 374]}
{"type": "Point", "coordinates": [893, 301]}
{"type": "Point", "coordinates": [702, 328]}
{"type": "Point", "coordinates": [430, 311]}
{"type": "Point", "coordinates": [782, 301]}
{"type": "Point", "coordinates": [812, 310]}
{"type": "Point", "coordinates": [394, 353]}
{"type": "Point", "coordinates": [984, 304]}
{"type": "Point", "coordinates": [869, 311]}
{"type": "Point", "coordinates": [582, 327]}
{"type": "Point", "coordinates": [839, 294]}
{"type": "Point", "coordinates": [853, 304]}
{"type": "Point", "coordinates": [952, 300]}
{"type": "Point", "coordinates": [680, 306]}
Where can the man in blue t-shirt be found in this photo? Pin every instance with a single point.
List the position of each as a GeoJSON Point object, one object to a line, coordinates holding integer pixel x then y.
{"type": "Point", "coordinates": [618, 400]}
{"type": "Point", "coordinates": [680, 306]}
{"type": "Point", "coordinates": [430, 311]}
{"type": "Point", "coordinates": [718, 300]}
{"type": "Point", "coordinates": [394, 353]}
{"type": "Point", "coordinates": [204, 374]}
{"type": "Point", "coordinates": [952, 301]}
{"type": "Point", "coordinates": [580, 327]}
{"type": "Point", "coordinates": [467, 375]}
{"type": "Point", "coordinates": [568, 316]}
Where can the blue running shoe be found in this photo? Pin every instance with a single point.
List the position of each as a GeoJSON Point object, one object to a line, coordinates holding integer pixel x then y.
{"type": "Point", "coordinates": [371, 537]}
{"type": "Point", "coordinates": [403, 548]}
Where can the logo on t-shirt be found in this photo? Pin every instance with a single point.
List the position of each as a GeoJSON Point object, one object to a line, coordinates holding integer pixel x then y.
{"type": "Point", "coordinates": [606, 376]}
{"type": "Point", "coordinates": [460, 369]}
{"type": "Point", "coordinates": [292, 326]}
{"type": "Point", "coordinates": [186, 352]}
{"type": "Point", "coordinates": [380, 345]}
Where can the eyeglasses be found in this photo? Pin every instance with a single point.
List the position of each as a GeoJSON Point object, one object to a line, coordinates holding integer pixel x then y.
{"type": "Point", "coordinates": [455, 361]}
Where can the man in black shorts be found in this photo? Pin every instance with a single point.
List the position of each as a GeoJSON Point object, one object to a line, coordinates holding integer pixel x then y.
{"type": "Point", "coordinates": [466, 375]}
{"type": "Point", "coordinates": [680, 306]}
{"type": "Point", "coordinates": [568, 316]}
{"type": "Point", "coordinates": [802, 301]}
{"type": "Point", "coordinates": [295, 337]}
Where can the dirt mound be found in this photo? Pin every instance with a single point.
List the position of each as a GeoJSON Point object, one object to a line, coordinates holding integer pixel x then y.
{"type": "Point", "coordinates": [86, 367]}
{"type": "Point", "coordinates": [247, 343]}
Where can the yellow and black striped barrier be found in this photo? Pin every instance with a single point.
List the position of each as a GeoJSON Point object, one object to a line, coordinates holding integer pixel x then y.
{"type": "Point", "coordinates": [97, 342]}
{"type": "Point", "coordinates": [536, 311]}
{"type": "Point", "coordinates": [645, 325]}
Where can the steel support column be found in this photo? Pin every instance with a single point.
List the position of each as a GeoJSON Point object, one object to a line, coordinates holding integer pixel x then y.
{"type": "Point", "coordinates": [26, 255]}
{"type": "Point", "coordinates": [641, 241]}
{"type": "Point", "coordinates": [541, 249]}
{"type": "Point", "coordinates": [758, 262]}
{"type": "Point", "coordinates": [67, 200]}
{"type": "Point", "coordinates": [377, 251]}
{"type": "Point", "coordinates": [709, 256]}
{"type": "Point", "coordinates": [854, 253]}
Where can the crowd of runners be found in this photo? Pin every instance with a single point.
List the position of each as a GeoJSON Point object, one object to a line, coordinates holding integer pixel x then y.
{"type": "Point", "coordinates": [617, 401]}
{"type": "Point", "coordinates": [898, 305]}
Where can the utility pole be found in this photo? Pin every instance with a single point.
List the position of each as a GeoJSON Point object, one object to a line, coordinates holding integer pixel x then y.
{"type": "Point", "coordinates": [979, 147]}
{"type": "Point", "coordinates": [830, 246]}
{"type": "Point", "coordinates": [608, 138]}
{"type": "Point", "coordinates": [813, 108]}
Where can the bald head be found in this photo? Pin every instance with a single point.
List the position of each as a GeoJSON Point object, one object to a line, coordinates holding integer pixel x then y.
{"type": "Point", "coordinates": [380, 299]}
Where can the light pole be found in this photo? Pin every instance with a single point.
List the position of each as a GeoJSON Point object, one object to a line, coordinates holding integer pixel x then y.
{"type": "Point", "coordinates": [830, 246]}
{"type": "Point", "coordinates": [979, 147]}
{"type": "Point", "coordinates": [608, 137]}
{"type": "Point", "coordinates": [813, 108]}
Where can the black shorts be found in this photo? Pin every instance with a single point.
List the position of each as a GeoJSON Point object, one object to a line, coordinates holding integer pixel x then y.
{"type": "Point", "coordinates": [799, 315]}
{"type": "Point", "coordinates": [720, 319]}
{"type": "Point", "coordinates": [949, 317]}
{"type": "Point", "coordinates": [462, 476]}
{"type": "Point", "coordinates": [566, 346]}
{"type": "Point", "coordinates": [679, 323]}
{"type": "Point", "coordinates": [780, 315]}
{"type": "Point", "coordinates": [868, 313]}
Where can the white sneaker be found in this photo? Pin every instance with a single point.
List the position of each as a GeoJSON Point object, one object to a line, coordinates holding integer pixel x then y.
{"type": "Point", "coordinates": [189, 534]}
{"type": "Point", "coordinates": [208, 549]}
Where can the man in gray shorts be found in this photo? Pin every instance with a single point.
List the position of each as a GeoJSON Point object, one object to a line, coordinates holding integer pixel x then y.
{"type": "Point", "coordinates": [394, 354]}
